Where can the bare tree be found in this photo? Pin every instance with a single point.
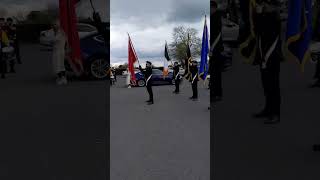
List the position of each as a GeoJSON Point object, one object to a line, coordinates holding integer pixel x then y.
{"type": "Point", "coordinates": [178, 47]}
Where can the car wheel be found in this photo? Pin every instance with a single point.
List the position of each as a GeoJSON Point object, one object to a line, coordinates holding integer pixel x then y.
{"type": "Point", "coordinates": [98, 68]}
{"type": "Point", "coordinates": [141, 83]}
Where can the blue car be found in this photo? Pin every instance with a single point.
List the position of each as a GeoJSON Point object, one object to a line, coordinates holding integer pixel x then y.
{"type": "Point", "coordinates": [95, 55]}
{"type": "Point", "coordinates": [157, 78]}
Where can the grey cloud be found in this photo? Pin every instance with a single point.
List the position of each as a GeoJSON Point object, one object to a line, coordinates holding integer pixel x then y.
{"type": "Point", "coordinates": [173, 10]}
{"type": "Point", "coordinates": [83, 9]}
{"type": "Point", "coordinates": [188, 11]}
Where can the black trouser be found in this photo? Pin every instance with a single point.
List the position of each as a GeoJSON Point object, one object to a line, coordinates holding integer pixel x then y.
{"type": "Point", "coordinates": [17, 50]}
{"type": "Point", "coordinates": [194, 89]}
{"type": "Point", "coordinates": [216, 84]}
{"type": "Point", "coordinates": [271, 87]}
{"type": "Point", "coordinates": [3, 66]}
{"type": "Point", "coordinates": [177, 84]}
{"type": "Point", "coordinates": [12, 63]}
{"type": "Point", "coordinates": [149, 89]}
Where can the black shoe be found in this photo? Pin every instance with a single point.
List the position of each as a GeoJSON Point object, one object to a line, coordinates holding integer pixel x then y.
{"type": "Point", "coordinates": [262, 114]}
{"type": "Point", "coordinates": [148, 101]}
{"type": "Point", "coordinates": [195, 99]}
{"type": "Point", "coordinates": [272, 119]}
{"type": "Point", "coordinates": [151, 102]}
{"type": "Point", "coordinates": [316, 147]}
{"type": "Point", "coordinates": [191, 97]}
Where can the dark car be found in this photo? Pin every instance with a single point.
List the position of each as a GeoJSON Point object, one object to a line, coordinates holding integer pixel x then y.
{"type": "Point", "coordinates": [157, 78]}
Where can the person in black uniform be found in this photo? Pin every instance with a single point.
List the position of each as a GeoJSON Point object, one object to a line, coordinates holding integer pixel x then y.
{"type": "Point", "coordinates": [216, 61]}
{"type": "Point", "coordinates": [176, 77]}
{"type": "Point", "coordinates": [194, 79]}
{"type": "Point", "coordinates": [316, 37]}
{"type": "Point", "coordinates": [268, 57]}
{"type": "Point", "coordinates": [148, 77]}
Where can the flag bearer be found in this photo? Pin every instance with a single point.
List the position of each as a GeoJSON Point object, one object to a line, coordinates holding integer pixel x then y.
{"type": "Point", "coordinates": [268, 57]}
{"type": "Point", "coordinates": [176, 77]}
{"type": "Point", "coordinates": [148, 78]}
{"type": "Point", "coordinates": [216, 62]}
{"type": "Point", "coordinates": [194, 78]}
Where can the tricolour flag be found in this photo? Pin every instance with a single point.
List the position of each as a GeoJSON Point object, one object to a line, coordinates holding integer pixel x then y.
{"type": "Point", "coordinates": [203, 71]}
{"type": "Point", "coordinates": [165, 61]}
{"type": "Point", "coordinates": [132, 58]}
{"type": "Point", "coordinates": [299, 30]}
{"type": "Point", "coordinates": [68, 20]}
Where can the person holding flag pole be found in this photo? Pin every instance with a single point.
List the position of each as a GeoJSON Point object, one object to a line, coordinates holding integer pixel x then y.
{"type": "Point", "coordinates": [148, 78]}
{"type": "Point", "coordinates": [268, 56]}
{"type": "Point", "coordinates": [132, 58]}
{"type": "Point", "coordinates": [216, 62]}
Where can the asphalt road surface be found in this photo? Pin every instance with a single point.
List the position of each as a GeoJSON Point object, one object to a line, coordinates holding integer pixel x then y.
{"type": "Point", "coordinates": [167, 140]}
{"type": "Point", "coordinates": [50, 132]}
{"type": "Point", "coordinates": [245, 148]}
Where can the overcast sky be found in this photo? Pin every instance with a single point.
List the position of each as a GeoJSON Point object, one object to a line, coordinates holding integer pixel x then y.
{"type": "Point", "coordinates": [150, 23]}
{"type": "Point", "coordinates": [83, 9]}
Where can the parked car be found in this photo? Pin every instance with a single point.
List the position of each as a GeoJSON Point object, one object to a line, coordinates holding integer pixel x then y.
{"type": "Point", "coordinates": [157, 78]}
{"type": "Point", "coordinates": [95, 54]}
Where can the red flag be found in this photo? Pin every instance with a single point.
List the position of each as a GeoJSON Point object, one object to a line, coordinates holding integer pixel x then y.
{"type": "Point", "coordinates": [132, 58]}
{"type": "Point", "coordinates": [68, 20]}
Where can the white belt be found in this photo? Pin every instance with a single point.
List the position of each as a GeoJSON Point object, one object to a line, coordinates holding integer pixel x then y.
{"type": "Point", "coordinates": [148, 79]}
{"type": "Point", "coordinates": [177, 76]}
{"type": "Point", "coordinates": [194, 78]}
{"type": "Point", "coordinates": [268, 54]}
{"type": "Point", "coordinates": [215, 42]}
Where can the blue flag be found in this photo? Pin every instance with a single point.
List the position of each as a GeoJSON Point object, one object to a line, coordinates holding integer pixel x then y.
{"type": "Point", "coordinates": [203, 71]}
{"type": "Point", "coordinates": [299, 29]}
